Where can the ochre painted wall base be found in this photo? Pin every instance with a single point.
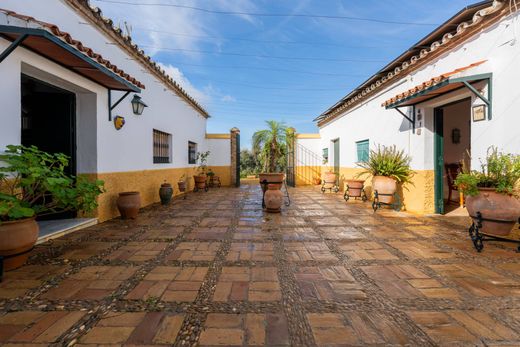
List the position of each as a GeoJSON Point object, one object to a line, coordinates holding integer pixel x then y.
{"type": "Point", "coordinates": [147, 182]}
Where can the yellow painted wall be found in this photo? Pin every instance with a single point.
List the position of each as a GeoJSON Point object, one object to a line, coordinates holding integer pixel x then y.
{"type": "Point", "coordinates": [417, 198]}
{"type": "Point", "coordinates": [305, 175]}
{"type": "Point", "coordinates": [147, 182]}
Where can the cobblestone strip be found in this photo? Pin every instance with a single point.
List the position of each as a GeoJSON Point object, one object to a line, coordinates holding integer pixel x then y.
{"type": "Point", "coordinates": [191, 328]}
{"type": "Point", "coordinates": [300, 332]}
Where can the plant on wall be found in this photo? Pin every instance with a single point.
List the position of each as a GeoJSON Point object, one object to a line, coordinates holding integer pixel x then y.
{"type": "Point", "coordinates": [270, 145]}
{"type": "Point", "coordinates": [33, 182]}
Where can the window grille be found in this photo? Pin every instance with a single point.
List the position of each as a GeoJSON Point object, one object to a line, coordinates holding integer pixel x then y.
{"type": "Point", "coordinates": [192, 152]}
{"type": "Point", "coordinates": [161, 147]}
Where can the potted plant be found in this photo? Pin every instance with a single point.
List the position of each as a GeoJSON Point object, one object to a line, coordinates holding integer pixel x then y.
{"type": "Point", "coordinates": [33, 183]}
{"type": "Point", "coordinates": [181, 183]}
{"type": "Point", "coordinates": [200, 178]}
{"type": "Point", "coordinates": [270, 146]}
{"type": "Point", "coordinates": [493, 192]}
{"type": "Point", "coordinates": [388, 167]}
{"type": "Point", "coordinates": [330, 181]}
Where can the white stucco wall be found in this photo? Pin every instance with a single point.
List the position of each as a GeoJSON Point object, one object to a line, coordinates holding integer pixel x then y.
{"type": "Point", "coordinates": [309, 152]}
{"type": "Point", "coordinates": [387, 127]}
{"type": "Point", "coordinates": [220, 152]}
{"type": "Point", "coordinates": [129, 149]}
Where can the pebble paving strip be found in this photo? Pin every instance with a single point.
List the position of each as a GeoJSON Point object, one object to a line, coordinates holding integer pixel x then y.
{"type": "Point", "coordinates": [291, 304]}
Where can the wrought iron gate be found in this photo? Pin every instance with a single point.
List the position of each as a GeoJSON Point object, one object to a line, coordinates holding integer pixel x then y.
{"type": "Point", "coordinates": [290, 170]}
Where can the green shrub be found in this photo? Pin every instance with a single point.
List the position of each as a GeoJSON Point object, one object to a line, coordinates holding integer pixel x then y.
{"type": "Point", "coordinates": [33, 182]}
{"type": "Point", "coordinates": [500, 171]}
{"type": "Point", "coordinates": [389, 162]}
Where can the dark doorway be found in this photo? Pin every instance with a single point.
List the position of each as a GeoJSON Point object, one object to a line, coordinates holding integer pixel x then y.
{"type": "Point", "coordinates": [49, 123]}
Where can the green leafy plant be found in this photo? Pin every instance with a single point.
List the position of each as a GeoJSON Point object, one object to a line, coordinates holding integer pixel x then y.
{"type": "Point", "coordinates": [272, 144]}
{"type": "Point", "coordinates": [390, 162]}
{"type": "Point", "coordinates": [500, 171]}
{"type": "Point", "coordinates": [33, 182]}
{"type": "Point", "coordinates": [210, 173]}
{"type": "Point", "coordinates": [202, 159]}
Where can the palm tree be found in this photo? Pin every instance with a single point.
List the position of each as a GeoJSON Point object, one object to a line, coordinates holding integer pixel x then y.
{"type": "Point", "coordinates": [270, 145]}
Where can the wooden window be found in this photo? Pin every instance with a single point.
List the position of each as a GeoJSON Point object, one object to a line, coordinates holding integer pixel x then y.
{"type": "Point", "coordinates": [161, 147]}
{"type": "Point", "coordinates": [192, 152]}
{"type": "Point", "coordinates": [362, 151]}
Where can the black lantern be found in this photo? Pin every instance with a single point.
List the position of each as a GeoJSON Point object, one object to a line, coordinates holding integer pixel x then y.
{"type": "Point", "coordinates": [455, 135]}
{"type": "Point", "coordinates": [138, 105]}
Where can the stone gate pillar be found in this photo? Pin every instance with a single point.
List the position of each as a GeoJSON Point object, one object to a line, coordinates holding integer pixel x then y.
{"type": "Point", "coordinates": [235, 157]}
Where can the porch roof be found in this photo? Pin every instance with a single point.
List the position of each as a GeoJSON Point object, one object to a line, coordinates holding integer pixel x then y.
{"type": "Point", "coordinates": [434, 87]}
{"type": "Point", "coordinates": [58, 46]}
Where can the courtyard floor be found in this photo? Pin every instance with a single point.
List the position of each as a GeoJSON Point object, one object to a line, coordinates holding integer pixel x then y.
{"type": "Point", "coordinates": [215, 270]}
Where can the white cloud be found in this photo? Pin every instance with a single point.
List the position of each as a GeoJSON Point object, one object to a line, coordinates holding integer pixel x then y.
{"type": "Point", "coordinates": [201, 96]}
{"type": "Point", "coordinates": [228, 98]}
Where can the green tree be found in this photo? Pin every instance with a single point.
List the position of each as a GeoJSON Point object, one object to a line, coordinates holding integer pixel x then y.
{"type": "Point", "coordinates": [249, 164]}
{"type": "Point", "coordinates": [270, 145]}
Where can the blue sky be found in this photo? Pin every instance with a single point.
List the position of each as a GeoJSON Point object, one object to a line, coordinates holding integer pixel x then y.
{"type": "Point", "coordinates": [246, 69]}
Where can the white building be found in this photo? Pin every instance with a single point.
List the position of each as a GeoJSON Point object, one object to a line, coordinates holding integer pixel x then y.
{"type": "Point", "coordinates": [456, 91]}
{"type": "Point", "coordinates": [66, 73]}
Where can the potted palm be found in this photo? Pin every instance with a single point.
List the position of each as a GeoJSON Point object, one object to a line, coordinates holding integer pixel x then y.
{"type": "Point", "coordinates": [388, 167]}
{"type": "Point", "coordinates": [493, 192]}
{"type": "Point", "coordinates": [33, 183]}
{"type": "Point", "coordinates": [270, 146]}
{"type": "Point", "coordinates": [200, 178]}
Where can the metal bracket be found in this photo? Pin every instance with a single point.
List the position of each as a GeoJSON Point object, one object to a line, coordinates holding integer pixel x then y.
{"type": "Point", "coordinates": [411, 120]}
{"type": "Point", "coordinates": [110, 106]}
{"type": "Point", "coordinates": [487, 100]}
{"type": "Point", "coordinates": [13, 46]}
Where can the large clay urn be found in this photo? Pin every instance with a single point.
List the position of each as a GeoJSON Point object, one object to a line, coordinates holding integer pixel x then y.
{"type": "Point", "coordinates": [129, 204]}
{"type": "Point", "coordinates": [384, 185]}
{"type": "Point", "coordinates": [497, 206]}
{"type": "Point", "coordinates": [355, 187]}
{"type": "Point", "coordinates": [271, 178]}
{"type": "Point", "coordinates": [17, 238]}
{"type": "Point", "coordinates": [165, 193]}
{"type": "Point", "coordinates": [273, 198]}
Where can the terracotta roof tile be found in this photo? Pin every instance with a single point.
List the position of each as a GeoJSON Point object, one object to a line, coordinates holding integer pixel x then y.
{"type": "Point", "coordinates": [430, 83]}
{"type": "Point", "coordinates": [66, 37]}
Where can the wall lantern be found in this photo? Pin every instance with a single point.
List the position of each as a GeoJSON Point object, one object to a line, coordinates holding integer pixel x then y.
{"type": "Point", "coordinates": [138, 105]}
{"type": "Point", "coordinates": [455, 135]}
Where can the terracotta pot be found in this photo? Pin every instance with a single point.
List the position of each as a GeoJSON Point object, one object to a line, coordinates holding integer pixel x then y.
{"type": "Point", "coordinates": [17, 238]}
{"type": "Point", "coordinates": [317, 181]}
{"type": "Point", "coordinates": [182, 186]}
{"type": "Point", "coordinates": [273, 198]}
{"type": "Point", "coordinates": [272, 178]}
{"type": "Point", "coordinates": [129, 204]}
{"type": "Point", "coordinates": [329, 177]}
{"type": "Point", "coordinates": [165, 193]}
{"type": "Point", "coordinates": [496, 206]}
{"type": "Point", "coordinates": [200, 181]}
{"type": "Point", "coordinates": [355, 187]}
{"type": "Point", "coordinates": [384, 185]}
